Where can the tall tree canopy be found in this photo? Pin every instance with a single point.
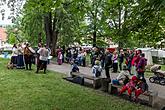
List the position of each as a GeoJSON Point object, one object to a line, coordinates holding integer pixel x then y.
{"type": "Point", "coordinates": [62, 22]}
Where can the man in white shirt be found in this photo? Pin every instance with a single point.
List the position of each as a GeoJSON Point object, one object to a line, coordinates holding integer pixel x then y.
{"type": "Point", "coordinates": [44, 53]}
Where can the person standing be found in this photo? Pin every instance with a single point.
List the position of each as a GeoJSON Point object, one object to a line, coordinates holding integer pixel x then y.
{"type": "Point", "coordinates": [129, 60]}
{"type": "Point", "coordinates": [49, 55]}
{"type": "Point", "coordinates": [83, 57]}
{"type": "Point", "coordinates": [141, 66]}
{"type": "Point", "coordinates": [115, 62]}
{"type": "Point", "coordinates": [108, 63]}
{"type": "Point", "coordinates": [37, 54]}
{"type": "Point", "coordinates": [133, 63]}
{"type": "Point", "coordinates": [121, 59]}
{"type": "Point", "coordinates": [20, 59]}
{"type": "Point", "coordinates": [43, 58]}
{"type": "Point", "coordinates": [59, 60]}
{"type": "Point", "coordinates": [14, 56]}
{"type": "Point", "coordinates": [63, 54]}
{"type": "Point", "coordinates": [28, 54]}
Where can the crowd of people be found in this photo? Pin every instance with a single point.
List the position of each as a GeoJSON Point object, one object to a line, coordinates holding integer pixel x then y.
{"type": "Point", "coordinates": [23, 56]}
{"type": "Point", "coordinates": [105, 59]}
{"type": "Point", "coordinates": [70, 54]}
{"type": "Point", "coordinates": [132, 68]}
{"type": "Point", "coordinates": [131, 65]}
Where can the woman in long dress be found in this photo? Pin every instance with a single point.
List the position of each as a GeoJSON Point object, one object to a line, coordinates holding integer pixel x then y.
{"type": "Point", "coordinates": [59, 58]}
{"type": "Point", "coordinates": [20, 59]}
{"type": "Point", "coordinates": [14, 56]}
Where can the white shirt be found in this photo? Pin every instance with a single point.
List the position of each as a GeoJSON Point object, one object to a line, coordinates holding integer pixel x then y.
{"type": "Point", "coordinates": [43, 54]}
{"type": "Point", "coordinates": [14, 52]}
{"type": "Point", "coordinates": [123, 74]}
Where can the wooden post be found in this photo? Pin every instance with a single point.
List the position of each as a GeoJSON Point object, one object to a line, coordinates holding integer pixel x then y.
{"type": "Point", "coordinates": [152, 98]}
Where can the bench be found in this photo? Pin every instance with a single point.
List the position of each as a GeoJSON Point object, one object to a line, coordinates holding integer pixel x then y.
{"type": "Point", "coordinates": [151, 95]}
{"type": "Point", "coordinates": [96, 80]}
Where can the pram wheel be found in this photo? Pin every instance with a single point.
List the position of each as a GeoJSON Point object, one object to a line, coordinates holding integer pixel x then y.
{"type": "Point", "coordinates": [162, 82]}
{"type": "Point", "coordinates": [152, 79]}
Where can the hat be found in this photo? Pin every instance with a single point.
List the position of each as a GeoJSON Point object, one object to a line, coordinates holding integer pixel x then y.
{"type": "Point", "coordinates": [97, 62]}
{"type": "Point", "coordinates": [134, 78]}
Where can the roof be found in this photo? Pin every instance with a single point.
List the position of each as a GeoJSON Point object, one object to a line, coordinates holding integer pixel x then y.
{"type": "Point", "coordinates": [3, 34]}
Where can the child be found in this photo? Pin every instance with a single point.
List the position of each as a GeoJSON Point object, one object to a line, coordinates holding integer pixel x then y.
{"type": "Point", "coordinates": [75, 67]}
{"type": "Point", "coordinates": [130, 86]}
{"type": "Point", "coordinates": [96, 69]}
{"type": "Point", "coordinates": [142, 86]}
{"type": "Point", "coordinates": [123, 77]}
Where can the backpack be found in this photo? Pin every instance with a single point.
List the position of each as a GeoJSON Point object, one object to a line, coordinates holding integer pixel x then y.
{"type": "Point", "coordinates": [97, 72]}
{"type": "Point", "coordinates": [75, 68]}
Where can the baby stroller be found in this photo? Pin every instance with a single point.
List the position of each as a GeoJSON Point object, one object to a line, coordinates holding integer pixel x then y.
{"type": "Point", "coordinates": [159, 77]}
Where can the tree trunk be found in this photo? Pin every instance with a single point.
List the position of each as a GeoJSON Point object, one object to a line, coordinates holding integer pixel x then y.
{"type": "Point", "coordinates": [40, 37]}
{"type": "Point", "coordinates": [94, 38]}
{"type": "Point", "coordinates": [51, 32]}
{"type": "Point", "coordinates": [48, 29]}
{"type": "Point", "coordinates": [54, 42]}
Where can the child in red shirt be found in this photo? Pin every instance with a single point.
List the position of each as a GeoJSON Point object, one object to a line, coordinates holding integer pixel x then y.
{"type": "Point", "coordinates": [130, 86]}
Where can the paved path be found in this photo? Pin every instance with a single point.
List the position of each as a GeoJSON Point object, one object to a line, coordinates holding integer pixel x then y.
{"type": "Point", "coordinates": [65, 68]}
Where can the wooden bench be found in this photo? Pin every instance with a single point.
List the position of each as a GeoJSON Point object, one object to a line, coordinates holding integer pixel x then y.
{"type": "Point", "coordinates": [96, 80]}
{"type": "Point", "coordinates": [151, 95]}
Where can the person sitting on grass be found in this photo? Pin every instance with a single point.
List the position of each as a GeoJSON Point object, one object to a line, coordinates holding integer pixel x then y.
{"type": "Point", "coordinates": [130, 86]}
{"type": "Point", "coordinates": [123, 77]}
{"type": "Point", "coordinates": [97, 69]}
{"type": "Point", "coordinates": [142, 87]}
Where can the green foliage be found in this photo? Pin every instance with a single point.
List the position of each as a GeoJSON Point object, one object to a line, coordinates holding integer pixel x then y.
{"type": "Point", "coordinates": [12, 38]}
{"type": "Point", "coordinates": [128, 22]}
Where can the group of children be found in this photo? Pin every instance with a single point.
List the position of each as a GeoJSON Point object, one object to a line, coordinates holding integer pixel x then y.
{"type": "Point", "coordinates": [96, 69]}
{"type": "Point", "coordinates": [130, 83]}
{"type": "Point", "coordinates": [138, 86]}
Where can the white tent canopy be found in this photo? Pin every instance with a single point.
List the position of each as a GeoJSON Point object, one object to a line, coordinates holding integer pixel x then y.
{"type": "Point", "coordinates": [148, 56]}
{"type": "Point", "coordinates": [7, 46]}
{"type": "Point", "coordinates": [158, 53]}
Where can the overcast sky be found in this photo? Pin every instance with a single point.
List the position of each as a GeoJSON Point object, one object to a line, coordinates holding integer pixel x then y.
{"type": "Point", "coordinates": [7, 13]}
{"type": "Point", "coordinates": [6, 21]}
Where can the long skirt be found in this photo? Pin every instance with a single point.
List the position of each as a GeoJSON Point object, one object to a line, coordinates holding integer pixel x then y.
{"type": "Point", "coordinates": [14, 60]}
{"type": "Point", "coordinates": [20, 62]}
{"type": "Point", "coordinates": [59, 61]}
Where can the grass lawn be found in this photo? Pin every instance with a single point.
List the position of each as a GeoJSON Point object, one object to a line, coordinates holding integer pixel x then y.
{"type": "Point", "coordinates": [25, 90]}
